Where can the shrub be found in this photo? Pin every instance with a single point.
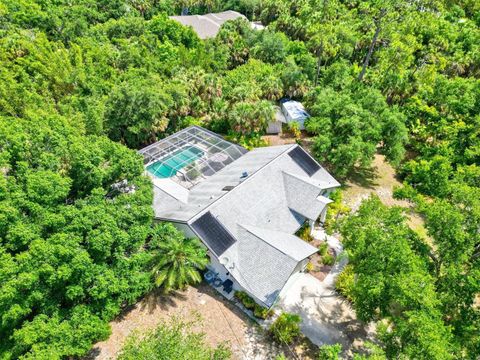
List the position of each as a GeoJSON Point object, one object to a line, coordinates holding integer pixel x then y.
{"type": "Point", "coordinates": [322, 249]}
{"type": "Point", "coordinates": [258, 310]}
{"type": "Point", "coordinates": [249, 142]}
{"type": "Point", "coordinates": [262, 312]}
{"type": "Point", "coordinates": [336, 209]}
{"type": "Point", "coordinates": [294, 129]}
{"type": "Point", "coordinates": [304, 232]}
{"type": "Point", "coordinates": [329, 352]}
{"type": "Point", "coordinates": [286, 328]}
{"type": "Point", "coordinates": [245, 299]}
{"type": "Point", "coordinates": [310, 267]}
{"type": "Point", "coordinates": [345, 282]}
{"type": "Point", "coordinates": [172, 340]}
{"type": "Point", "coordinates": [328, 259]}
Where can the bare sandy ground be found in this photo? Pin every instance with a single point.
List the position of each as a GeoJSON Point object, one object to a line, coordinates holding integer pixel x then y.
{"type": "Point", "coordinates": [381, 182]}
{"type": "Point", "coordinates": [220, 320]}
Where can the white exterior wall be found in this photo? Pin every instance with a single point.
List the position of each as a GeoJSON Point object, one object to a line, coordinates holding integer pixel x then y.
{"type": "Point", "coordinates": [274, 127]}
{"type": "Point", "coordinates": [217, 267]}
{"type": "Point", "coordinates": [323, 215]}
{"type": "Point", "coordinates": [185, 229]}
{"type": "Point", "coordinates": [298, 269]}
{"type": "Point", "coordinates": [224, 274]}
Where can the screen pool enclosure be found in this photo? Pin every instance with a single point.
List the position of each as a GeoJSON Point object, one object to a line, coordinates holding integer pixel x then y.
{"type": "Point", "coordinates": [189, 156]}
{"type": "Point", "coordinates": [172, 163]}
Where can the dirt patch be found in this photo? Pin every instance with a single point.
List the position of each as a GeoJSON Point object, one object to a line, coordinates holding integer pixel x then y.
{"type": "Point", "coordinates": [320, 270]}
{"type": "Point", "coordinates": [380, 180]}
{"type": "Point", "coordinates": [220, 320]}
{"type": "Point", "coordinates": [287, 138]}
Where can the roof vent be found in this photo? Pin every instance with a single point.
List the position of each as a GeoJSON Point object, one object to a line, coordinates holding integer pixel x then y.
{"type": "Point", "coordinates": [244, 175]}
{"type": "Point", "coordinates": [228, 188]}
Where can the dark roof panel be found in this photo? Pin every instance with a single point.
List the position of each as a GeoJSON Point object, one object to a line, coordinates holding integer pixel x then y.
{"type": "Point", "coordinates": [212, 232]}
{"type": "Point", "coordinates": [309, 165]}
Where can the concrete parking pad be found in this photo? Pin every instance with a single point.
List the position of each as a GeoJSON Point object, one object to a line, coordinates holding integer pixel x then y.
{"type": "Point", "coordinates": [327, 318]}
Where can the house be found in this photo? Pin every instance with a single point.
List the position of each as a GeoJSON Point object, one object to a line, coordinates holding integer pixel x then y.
{"type": "Point", "coordinates": [208, 25]}
{"type": "Point", "coordinates": [294, 112]}
{"type": "Point", "coordinates": [245, 206]}
{"type": "Point", "coordinates": [275, 126]}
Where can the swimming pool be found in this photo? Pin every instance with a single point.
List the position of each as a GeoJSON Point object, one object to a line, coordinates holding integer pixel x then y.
{"type": "Point", "coordinates": [170, 164]}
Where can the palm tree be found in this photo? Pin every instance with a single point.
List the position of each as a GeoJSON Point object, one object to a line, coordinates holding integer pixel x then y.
{"type": "Point", "coordinates": [178, 261]}
{"type": "Point", "coordinates": [265, 113]}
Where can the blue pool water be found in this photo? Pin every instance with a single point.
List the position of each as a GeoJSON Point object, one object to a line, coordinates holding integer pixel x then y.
{"type": "Point", "coordinates": [170, 164]}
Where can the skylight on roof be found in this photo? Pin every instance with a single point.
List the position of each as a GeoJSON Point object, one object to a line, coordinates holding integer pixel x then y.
{"type": "Point", "coordinates": [189, 156]}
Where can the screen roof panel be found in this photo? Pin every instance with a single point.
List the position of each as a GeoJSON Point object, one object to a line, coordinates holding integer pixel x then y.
{"type": "Point", "coordinates": [193, 153]}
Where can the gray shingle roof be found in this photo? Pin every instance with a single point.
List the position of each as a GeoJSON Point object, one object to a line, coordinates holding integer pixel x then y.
{"type": "Point", "coordinates": [261, 211]}
{"type": "Point", "coordinates": [210, 190]}
{"type": "Point", "coordinates": [208, 25]}
{"type": "Point", "coordinates": [264, 260]}
{"type": "Point", "coordinates": [260, 268]}
{"type": "Point", "coordinates": [302, 195]}
{"type": "Point", "coordinates": [290, 245]}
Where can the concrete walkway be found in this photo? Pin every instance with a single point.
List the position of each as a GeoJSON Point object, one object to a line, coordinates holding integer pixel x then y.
{"type": "Point", "coordinates": [327, 318]}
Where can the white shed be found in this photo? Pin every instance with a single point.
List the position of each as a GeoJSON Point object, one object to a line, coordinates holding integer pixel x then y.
{"type": "Point", "coordinates": [275, 126]}
{"type": "Point", "coordinates": [294, 111]}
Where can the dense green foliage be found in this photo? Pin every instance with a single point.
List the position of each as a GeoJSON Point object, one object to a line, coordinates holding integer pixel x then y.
{"type": "Point", "coordinates": [329, 352]}
{"type": "Point", "coordinates": [386, 69]}
{"type": "Point", "coordinates": [423, 295]}
{"type": "Point", "coordinates": [71, 245]}
{"type": "Point", "coordinates": [402, 78]}
{"type": "Point", "coordinates": [176, 260]}
{"type": "Point", "coordinates": [286, 328]}
{"type": "Point", "coordinates": [396, 77]}
{"type": "Point", "coordinates": [173, 340]}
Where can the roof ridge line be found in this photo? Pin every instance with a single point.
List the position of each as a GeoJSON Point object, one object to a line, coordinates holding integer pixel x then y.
{"type": "Point", "coordinates": [244, 181]}
{"type": "Point", "coordinates": [211, 20]}
{"type": "Point", "coordinates": [302, 179]}
{"type": "Point", "coordinates": [266, 242]}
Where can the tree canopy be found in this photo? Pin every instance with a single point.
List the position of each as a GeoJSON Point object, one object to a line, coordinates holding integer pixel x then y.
{"type": "Point", "coordinates": [424, 294]}
{"type": "Point", "coordinates": [85, 84]}
{"type": "Point", "coordinates": [172, 340]}
{"type": "Point", "coordinates": [71, 245]}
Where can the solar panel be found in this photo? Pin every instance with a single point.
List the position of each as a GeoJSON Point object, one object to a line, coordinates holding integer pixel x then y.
{"type": "Point", "coordinates": [212, 232]}
{"type": "Point", "coordinates": [309, 165]}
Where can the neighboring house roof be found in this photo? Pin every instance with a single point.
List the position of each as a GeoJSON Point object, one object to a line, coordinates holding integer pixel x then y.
{"type": "Point", "coordinates": [294, 110]}
{"type": "Point", "coordinates": [257, 202]}
{"type": "Point", "coordinates": [208, 25]}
